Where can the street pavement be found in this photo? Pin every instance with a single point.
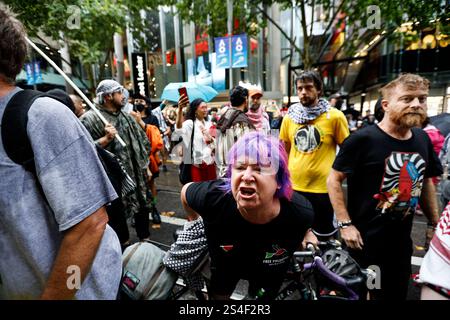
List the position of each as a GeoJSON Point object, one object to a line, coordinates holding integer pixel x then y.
{"type": "Point", "coordinates": [173, 217]}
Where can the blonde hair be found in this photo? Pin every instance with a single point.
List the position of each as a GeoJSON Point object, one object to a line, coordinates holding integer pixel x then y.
{"type": "Point", "coordinates": [408, 80]}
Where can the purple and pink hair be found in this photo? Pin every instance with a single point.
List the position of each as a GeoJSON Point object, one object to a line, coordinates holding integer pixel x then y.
{"type": "Point", "coordinates": [264, 150]}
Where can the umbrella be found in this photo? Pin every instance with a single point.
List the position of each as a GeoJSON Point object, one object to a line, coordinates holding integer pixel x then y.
{"type": "Point", "coordinates": [194, 91]}
{"type": "Point", "coordinates": [442, 122]}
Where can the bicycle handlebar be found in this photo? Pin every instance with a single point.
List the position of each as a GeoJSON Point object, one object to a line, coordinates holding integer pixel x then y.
{"type": "Point", "coordinates": [303, 254]}
{"type": "Point", "coordinates": [311, 251]}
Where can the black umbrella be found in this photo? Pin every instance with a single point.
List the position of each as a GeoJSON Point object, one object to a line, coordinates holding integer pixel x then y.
{"type": "Point", "coordinates": [442, 122]}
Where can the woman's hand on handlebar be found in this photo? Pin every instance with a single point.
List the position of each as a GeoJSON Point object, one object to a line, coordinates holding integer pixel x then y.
{"type": "Point", "coordinates": [352, 237]}
{"type": "Point", "coordinates": [310, 237]}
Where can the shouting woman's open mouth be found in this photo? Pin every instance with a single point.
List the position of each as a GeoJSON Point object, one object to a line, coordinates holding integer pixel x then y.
{"type": "Point", "coordinates": [247, 193]}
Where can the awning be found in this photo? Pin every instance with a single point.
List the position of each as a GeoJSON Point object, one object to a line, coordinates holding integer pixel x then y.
{"type": "Point", "coordinates": [53, 79]}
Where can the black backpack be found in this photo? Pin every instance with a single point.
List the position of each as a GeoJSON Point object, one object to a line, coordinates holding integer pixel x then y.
{"type": "Point", "coordinates": [14, 128]}
{"type": "Point", "coordinates": [18, 148]}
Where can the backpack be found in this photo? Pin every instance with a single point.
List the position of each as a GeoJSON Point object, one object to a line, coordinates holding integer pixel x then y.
{"type": "Point", "coordinates": [14, 128]}
{"type": "Point", "coordinates": [144, 275]}
{"type": "Point", "coordinates": [231, 117]}
{"type": "Point", "coordinates": [18, 146]}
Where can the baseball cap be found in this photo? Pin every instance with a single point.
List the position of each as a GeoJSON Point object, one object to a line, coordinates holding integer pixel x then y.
{"type": "Point", "coordinates": [255, 92]}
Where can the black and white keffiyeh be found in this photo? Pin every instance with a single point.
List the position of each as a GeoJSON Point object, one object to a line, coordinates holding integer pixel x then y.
{"type": "Point", "coordinates": [185, 253]}
{"type": "Point", "coordinates": [300, 114]}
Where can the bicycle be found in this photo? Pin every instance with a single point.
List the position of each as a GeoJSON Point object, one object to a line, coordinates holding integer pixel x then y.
{"type": "Point", "coordinates": [330, 273]}
{"type": "Point", "coordinates": [327, 273]}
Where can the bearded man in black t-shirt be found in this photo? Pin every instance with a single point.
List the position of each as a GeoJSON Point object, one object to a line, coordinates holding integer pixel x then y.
{"type": "Point", "coordinates": [388, 167]}
{"type": "Point", "coordinates": [253, 222]}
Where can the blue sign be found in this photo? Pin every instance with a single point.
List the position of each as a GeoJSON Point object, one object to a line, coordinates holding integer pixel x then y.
{"type": "Point", "coordinates": [222, 52]}
{"type": "Point", "coordinates": [37, 72]}
{"type": "Point", "coordinates": [33, 72]}
{"type": "Point", "coordinates": [29, 70]}
{"type": "Point", "coordinates": [239, 51]}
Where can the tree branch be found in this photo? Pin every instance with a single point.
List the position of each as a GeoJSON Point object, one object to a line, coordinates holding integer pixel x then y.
{"type": "Point", "coordinates": [280, 29]}
{"type": "Point", "coordinates": [306, 54]}
{"type": "Point", "coordinates": [312, 17]}
{"type": "Point", "coordinates": [330, 24]}
{"type": "Point", "coordinates": [74, 70]}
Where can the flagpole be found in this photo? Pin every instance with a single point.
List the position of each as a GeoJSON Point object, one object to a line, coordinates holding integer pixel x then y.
{"type": "Point", "coordinates": [74, 86]}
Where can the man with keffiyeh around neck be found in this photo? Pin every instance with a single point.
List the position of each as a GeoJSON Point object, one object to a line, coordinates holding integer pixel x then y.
{"type": "Point", "coordinates": [256, 113]}
{"type": "Point", "coordinates": [311, 131]}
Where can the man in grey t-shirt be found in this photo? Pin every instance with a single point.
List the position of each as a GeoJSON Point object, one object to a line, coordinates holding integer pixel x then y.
{"type": "Point", "coordinates": [54, 243]}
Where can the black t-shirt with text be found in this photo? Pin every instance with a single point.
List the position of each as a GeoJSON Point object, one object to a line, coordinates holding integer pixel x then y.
{"type": "Point", "coordinates": [385, 175]}
{"type": "Point", "coordinates": [242, 250]}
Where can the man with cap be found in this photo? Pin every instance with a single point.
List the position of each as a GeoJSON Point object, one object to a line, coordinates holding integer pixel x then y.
{"type": "Point", "coordinates": [256, 112]}
{"type": "Point", "coordinates": [134, 157]}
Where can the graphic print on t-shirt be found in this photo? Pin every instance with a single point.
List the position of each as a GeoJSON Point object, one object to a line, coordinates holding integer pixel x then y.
{"type": "Point", "coordinates": [402, 182]}
{"type": "Point", "coordinates": [308, 138]}
{"type": "Point", "coordinates": [275, 256]}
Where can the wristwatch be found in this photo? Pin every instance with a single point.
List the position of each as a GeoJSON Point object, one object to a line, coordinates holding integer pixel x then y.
{"type": "Point", "coordinates": [344, 224]}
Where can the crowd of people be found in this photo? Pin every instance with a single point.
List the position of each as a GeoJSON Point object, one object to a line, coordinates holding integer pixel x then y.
{"type": "Point", "coordinates": [260, 194]}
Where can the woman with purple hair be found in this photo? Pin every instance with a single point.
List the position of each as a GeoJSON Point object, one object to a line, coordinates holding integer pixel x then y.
{"type": "Point", "coordinates": [253, 221]}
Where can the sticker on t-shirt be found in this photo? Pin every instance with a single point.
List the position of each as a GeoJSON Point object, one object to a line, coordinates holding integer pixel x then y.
{"type": "Point", "coordinates": [227, 247]}
{"type": "Point", "coordinates": [276, 256]}
{"type": "Point", "coordinates": [402, 183]}
{"type": "Point", "coordinates": [308, 139]}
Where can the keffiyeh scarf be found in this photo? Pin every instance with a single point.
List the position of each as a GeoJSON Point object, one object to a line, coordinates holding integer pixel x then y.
{"type": "Point", "coordinates": [256, 117]}
{"type": "Point", "coordinates": [183, 256]}
{"type": "Point", "coordinates": [300, 114]}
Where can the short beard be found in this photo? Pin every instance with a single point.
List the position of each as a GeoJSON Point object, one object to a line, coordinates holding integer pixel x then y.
{"type": "Point", "coordinates": [118, 106]}
{"type": "Point", "coordinates": [409, 120]}
{"type": "Point", "coordinates": [254, 107]}
{"type": "Point", "coordinates": [308, 102]}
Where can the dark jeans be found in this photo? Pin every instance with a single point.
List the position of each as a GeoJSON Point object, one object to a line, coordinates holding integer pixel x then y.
{"type": "Point", "coordinates": [323, 212]}
{"type": "Point", "coordinates": [388, 246]}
